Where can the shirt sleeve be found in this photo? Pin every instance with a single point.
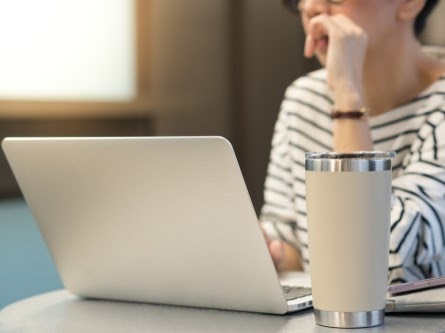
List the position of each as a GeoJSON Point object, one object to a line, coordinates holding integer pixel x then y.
{"type": "Point", "coordinates": [278, 216]}
{"type": "Point", "coordinates": [417, 238]}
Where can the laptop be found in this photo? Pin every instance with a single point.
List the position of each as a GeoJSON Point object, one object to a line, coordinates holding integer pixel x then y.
{"type": "Point", "coordinates": [164, 220]}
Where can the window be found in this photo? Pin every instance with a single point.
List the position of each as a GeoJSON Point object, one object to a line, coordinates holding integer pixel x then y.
{"type": "Point", "coordinates": [66, 57]}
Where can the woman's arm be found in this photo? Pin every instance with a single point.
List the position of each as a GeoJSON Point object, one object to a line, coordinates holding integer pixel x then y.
{"type": "Point", "coordinates": [418, 210]}
{"type": "Point", "coordinates": [344, 64]}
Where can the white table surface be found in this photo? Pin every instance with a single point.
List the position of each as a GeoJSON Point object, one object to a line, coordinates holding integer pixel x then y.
{"type": "Point", "coordinates": [60, 311]}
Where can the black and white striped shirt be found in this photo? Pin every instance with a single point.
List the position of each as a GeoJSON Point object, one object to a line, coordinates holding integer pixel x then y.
{"type": "Point", "coordinates": [415, 130]}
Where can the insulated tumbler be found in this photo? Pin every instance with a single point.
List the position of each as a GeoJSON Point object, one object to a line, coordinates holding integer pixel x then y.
{"type": "Point", "coordinates": [348, 212]}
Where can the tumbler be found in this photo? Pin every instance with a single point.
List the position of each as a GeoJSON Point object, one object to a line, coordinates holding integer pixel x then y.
{"type": "Point", "coordinates": [348, 199]}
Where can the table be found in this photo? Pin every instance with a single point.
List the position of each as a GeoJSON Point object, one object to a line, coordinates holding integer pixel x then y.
{"type": "Point", "coordinates": [59, 311]}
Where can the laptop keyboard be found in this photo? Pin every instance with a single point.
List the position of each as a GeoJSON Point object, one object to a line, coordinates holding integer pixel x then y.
{"type": "Point", "coordinates": [293, 292]}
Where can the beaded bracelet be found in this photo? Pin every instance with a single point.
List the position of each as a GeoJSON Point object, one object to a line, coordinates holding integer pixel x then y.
{"type": "Point", "coordinates": [351, 114]}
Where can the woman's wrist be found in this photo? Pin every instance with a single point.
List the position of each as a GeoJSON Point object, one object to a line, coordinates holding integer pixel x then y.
{"type": "Point", "coordinates": [351, 100]}
{"type": "Point", "coordinates": [358, 114]}
{"type": "Point", "coordinates": [347, 94]}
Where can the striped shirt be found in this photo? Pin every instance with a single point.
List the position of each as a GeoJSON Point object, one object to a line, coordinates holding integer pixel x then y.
{"type": "Point", "coordinates": [415, 131]}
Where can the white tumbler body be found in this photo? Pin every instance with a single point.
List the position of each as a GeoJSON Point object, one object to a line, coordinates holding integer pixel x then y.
{"type": "Point", "coordinates": [348, 214]}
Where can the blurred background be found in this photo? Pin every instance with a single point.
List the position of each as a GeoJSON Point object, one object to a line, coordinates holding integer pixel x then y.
{"type": "Point", "coordinates": [140, 67]}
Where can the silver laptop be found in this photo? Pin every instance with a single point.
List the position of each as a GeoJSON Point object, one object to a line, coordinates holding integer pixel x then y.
{"type": "Point", "coordinates": [151, 219]}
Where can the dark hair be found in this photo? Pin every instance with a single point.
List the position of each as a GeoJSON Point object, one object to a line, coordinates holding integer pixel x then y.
{"type": "Point", "coordinates": [420, 21]}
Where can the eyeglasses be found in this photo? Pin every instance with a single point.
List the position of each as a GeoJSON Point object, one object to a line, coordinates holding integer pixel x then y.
{"type": "Point", "coordinates": [294, 5]}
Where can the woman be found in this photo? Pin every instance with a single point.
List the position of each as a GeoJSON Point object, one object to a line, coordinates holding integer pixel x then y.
{"type": "Point", "coordinates": [378, 90]}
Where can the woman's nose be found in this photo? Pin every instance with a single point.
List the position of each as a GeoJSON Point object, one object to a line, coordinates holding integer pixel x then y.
{"type": "Point", "coordinates": [313, 8]}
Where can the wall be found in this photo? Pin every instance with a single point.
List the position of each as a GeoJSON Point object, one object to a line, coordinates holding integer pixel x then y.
{"type": "Point", "coordinates": [189, 66]}
{"type": "Point", "coordinates": [220, 67]}
{"type": "Point", "coordinates": [434, 32]}
{"type": "Point", "coordinates": [272, 59]}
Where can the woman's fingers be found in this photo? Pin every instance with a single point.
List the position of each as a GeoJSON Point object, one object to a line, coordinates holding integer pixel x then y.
{"type": "Point", "coordinates": [339, 28]}
{"type": "Point", "coordinates": [276, 250]}
{"type": "Point", "coordinates": [309, 46]}
{"type": "Point", "coordinates": [341, 46]}
{"type": "Point", "coordinates": [317, 35]}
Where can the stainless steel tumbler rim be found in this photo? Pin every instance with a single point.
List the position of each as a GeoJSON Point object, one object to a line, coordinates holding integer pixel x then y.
{"type": "Point", "coordinates": [360, 161]}
{"type": "Point", "coordinates": [349, 319]}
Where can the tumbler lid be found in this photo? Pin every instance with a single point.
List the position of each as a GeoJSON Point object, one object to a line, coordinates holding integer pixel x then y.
{"type": "Point", "coordinates": [359, 161]}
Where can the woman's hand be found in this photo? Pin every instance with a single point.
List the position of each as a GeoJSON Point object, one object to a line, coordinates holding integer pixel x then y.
{"type": "Point", "coordinates": [284, 256]}
{"type": "Point", "coordinates": [341, 46]}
